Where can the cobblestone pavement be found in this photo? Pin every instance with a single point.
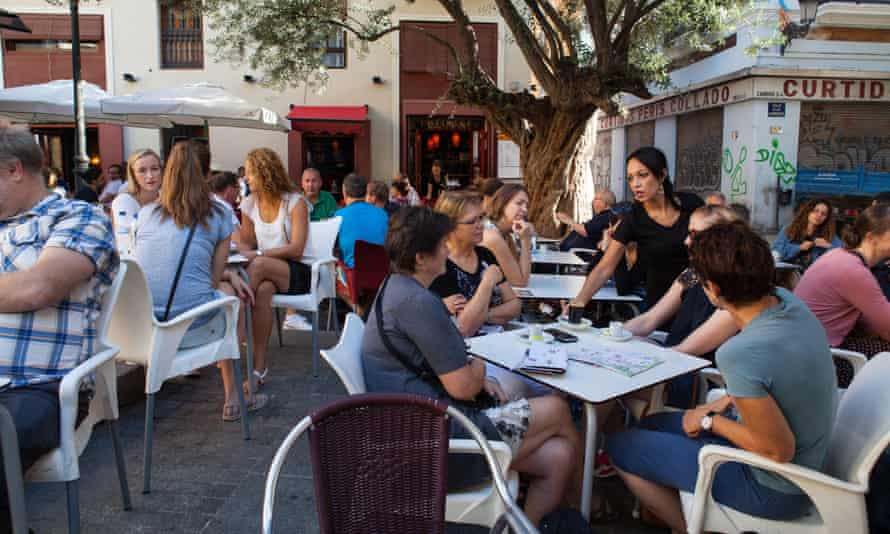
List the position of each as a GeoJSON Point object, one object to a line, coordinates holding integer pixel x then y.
{"type": "Point", "coordinates": [205, 477]}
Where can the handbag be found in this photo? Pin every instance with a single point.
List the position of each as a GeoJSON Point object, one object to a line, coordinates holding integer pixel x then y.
{"type": "Point", "coordinates": [185, 251]}
{"type": "Point", "coordinates": [425, 371]}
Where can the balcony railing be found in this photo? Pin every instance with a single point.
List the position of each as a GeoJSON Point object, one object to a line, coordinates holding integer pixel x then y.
{"type": "Point", "coordinates": [182, 49]}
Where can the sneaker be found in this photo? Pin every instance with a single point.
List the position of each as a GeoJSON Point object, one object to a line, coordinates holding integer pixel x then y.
{"type": "Point", "coordinates": [296, 322]}
{"type": "Point", "coordinates": [603, 465]}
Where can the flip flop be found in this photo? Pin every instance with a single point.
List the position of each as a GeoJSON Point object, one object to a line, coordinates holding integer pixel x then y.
{"type": "Point", "coordinates": [260, 379]}
{"type": "Point", "coordinates": [260, 400]}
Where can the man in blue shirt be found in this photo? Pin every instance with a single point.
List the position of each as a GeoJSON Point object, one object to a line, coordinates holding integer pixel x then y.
{"type": "Point", "coordinates": [361, 221]}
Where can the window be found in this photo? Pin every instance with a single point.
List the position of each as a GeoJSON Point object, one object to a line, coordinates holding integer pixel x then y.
{"type": "Point", "coordinates": [335, 51]}
{"type": "Point", "coordinates": [182, 37]}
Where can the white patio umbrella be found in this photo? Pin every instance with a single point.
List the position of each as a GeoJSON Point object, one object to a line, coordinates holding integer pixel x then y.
{"type": "Point", "coordinates": [53, 102]}
{"type": "Point", "coordinates": [200, 104]}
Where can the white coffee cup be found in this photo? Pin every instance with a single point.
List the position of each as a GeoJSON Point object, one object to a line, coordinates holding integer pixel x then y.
{"type": "Point", "coordinates": [777, 256]}
{"type": "Point", "coordinates": [534, 332]}
{"type": "Point", "coordinates": [616, 329]}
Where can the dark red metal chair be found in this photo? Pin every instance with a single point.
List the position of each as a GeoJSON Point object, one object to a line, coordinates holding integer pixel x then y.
{"type": "Point", "coordinates": [371, 268]}
{"type": "Point", "coordinates": [379, 463]}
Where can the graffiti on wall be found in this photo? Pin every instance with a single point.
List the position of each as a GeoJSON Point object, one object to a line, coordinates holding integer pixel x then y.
{"type": "Point", "coordinates": [845, 137]}
{"type": "Point", "coordinates": [775, 158]}
{"type": "Point", "coordinates": [698, 166]}
{"type": "Point", "coordinates": [732, 167]}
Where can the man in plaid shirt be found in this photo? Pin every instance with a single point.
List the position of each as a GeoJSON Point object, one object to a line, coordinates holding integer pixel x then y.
{"type": "Point", "coordinates": [57, 259]}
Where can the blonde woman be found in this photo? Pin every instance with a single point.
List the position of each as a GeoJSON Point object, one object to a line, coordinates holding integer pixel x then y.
{"type": "Point", "coordinates": [162, 231]}
{"type": "Point", "coordinates": [273, 233]}
{"type": "Point", "coordinates": [143, 184]}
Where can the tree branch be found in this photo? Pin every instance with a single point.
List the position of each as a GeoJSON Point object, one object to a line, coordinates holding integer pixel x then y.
{"type": "Point", "coordinates": [412, 27]}
{"type": "Point", "coordinates": [564, 31]}
{"type": "Point", "coordinates": [546, 29]}
{"type": "Point", "coordinates": [596, 18]}
{"type": "Point", "coordinates": [529, 46]}
{"type": "Point", "coordinates": [467, 32]}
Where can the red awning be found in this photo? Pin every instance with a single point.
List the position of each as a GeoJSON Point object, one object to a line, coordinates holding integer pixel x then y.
{"type": "Point", "coordinates": [329, 120]}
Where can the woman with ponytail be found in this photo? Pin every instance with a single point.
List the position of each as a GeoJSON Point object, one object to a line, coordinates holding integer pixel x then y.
{"type": "Point", "coordinates": [657, 223]}
{"type": "Point", "coordinates": [842, 293]}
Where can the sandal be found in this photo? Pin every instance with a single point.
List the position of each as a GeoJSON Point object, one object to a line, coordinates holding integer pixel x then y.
{"type": "Point", "coordinates": [260, 379]}
{"type": "Point", "coordinates": [232, 412]}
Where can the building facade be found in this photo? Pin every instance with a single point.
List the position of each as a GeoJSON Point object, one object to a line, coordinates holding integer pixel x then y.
{"type": "Point", "coordinates": [379, 114]}
{"type": "Point", "coordinates": [772, 128]}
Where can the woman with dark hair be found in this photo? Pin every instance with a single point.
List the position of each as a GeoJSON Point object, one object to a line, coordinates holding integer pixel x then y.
{"type": "Point", "coordinates": [844, 295]}
{"type": "Point", "coordinates": [274, 231]}
{"type": "Point", "coordinates": [657, 223]}
{"type": "Point", "coordinates": [162, 238]}
{"type": "Point", "coordinates": [509, 234]}
{"type": "Point", "coordinates": [399, 354]}
{"type": "Point", "coordinates": [785, 394]}
{"type": "Point", "coordinates": [810, 234]}
{"type": "Point", "coordinates": [435, 183]}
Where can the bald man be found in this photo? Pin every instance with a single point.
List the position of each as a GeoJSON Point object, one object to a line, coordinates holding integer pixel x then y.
{"type": "Point", "coordinates": [323, 203]}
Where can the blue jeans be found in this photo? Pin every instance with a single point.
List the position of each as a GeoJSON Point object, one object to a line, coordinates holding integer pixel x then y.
{"type": "Point", "coordinates": [659, 451]}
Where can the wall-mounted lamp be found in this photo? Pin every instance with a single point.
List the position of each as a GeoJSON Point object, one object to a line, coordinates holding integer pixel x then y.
{"type": "Point", "coordinates": [130, 77]}
{"type": "Point", "coordinates": [378, 80]}
{"type": "Point", "coordinates": [249, 78]}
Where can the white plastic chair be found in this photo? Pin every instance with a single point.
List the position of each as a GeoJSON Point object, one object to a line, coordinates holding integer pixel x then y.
{"type": "Point", "coordinates": [146, 341]}
{"type": "Point", "coordinates": [62, 463]}
{"type": "Point", "coordinates": [510, 512]}
{"type": "Point", "coordinates": [319, 255]}
{"type": "Point", "coordinates": [861, 434]}
{"type": "Point", "coordinates": [480, 505]}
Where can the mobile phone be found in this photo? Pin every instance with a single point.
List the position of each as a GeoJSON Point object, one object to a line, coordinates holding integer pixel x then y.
{"type": "Point", "coordinates": [561, 336]}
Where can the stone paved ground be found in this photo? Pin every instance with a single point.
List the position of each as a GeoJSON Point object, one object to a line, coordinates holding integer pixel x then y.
{"type": "Point", "coordinates": [205, 477]}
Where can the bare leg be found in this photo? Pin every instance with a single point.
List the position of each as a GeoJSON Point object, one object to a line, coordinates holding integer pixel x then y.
{"type": "Point", "coordinates": [268, 276]}
{"type": "Point", "coordinates": [662, 500]}
{"type": "Point", "coordinates": [548, 453]}
{"type": "Point", "coordinates": [226, 368]}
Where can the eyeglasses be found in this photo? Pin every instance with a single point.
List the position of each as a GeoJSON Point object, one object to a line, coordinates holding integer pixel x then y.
{"type": "Point", "coordinates": [476, 220]}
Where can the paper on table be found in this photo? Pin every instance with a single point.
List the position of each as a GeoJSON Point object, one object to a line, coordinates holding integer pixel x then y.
{"type": "Point", "coordinates": [626, 363]}
{"type": "Point", "coordinates": [545, 358]}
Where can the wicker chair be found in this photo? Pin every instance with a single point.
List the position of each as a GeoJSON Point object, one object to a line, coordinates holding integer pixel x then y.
{"type": "Point", "coordinates": [379, 462]}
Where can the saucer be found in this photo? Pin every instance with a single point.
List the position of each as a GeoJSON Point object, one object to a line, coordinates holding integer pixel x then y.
{"type": "Point", "coordinates": [575, 327]}
{"type": "Point", "coordinates": [605, 333]}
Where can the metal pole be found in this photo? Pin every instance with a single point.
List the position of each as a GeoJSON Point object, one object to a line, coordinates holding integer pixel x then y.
{"type": "Point", "coordinates": [81, 160]}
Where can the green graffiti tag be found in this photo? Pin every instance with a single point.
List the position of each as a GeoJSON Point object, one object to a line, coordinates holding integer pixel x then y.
{"type": "Point", "coordinates": [784, 170]}
{"type": "Point", "coordinates": [733, 167]}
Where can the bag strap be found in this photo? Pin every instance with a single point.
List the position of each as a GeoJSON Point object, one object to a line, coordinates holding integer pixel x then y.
{"type": "Point", "coordinates": [424, 371]}
{"type": "Point", "coordinates": [185, 251]}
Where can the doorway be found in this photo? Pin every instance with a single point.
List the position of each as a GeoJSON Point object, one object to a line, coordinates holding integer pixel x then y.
{"type": "Point", "coordinates": [57, 143]}
{"type": "Point", "coordinates": [458, 143]}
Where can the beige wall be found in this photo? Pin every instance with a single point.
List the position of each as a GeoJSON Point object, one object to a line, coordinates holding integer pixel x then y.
{"type": "Point", "coordinates": [132, 36]}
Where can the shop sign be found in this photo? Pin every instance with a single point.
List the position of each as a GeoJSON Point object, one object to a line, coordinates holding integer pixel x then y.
{"type": "Point", "coordinates": [709, 97]}
{"type": "Point", "coordinates": [444, 123]}
{"type": "Point", "coordinates": [775, 109]}
{"type": "Point", "coordinates": [823, 89]}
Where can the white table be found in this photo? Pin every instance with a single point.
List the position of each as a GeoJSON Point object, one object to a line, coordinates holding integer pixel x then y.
{"type": "Point", "coordinates": [785, 266]}
{"type": "Point", "coordinates": [593, 385]}
{"type": "Point", "coordinates": [566, 287]}
{"type": "Point", "coordinates": [556, 257]}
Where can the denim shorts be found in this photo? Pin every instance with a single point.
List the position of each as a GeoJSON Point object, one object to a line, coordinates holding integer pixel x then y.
{"type": "Point", "coordinates": [659, 451]}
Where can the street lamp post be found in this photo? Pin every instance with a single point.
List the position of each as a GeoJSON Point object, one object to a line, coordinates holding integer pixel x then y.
{"type": "Point", "coordinates": [81, 160]}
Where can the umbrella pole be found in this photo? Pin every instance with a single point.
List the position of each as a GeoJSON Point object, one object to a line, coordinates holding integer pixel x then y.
{"type": "Point", "coordinates": [81, 160]}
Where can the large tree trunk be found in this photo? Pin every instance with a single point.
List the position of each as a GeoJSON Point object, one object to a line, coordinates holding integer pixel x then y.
{"type": "Point", "coordinates": [547, 163]}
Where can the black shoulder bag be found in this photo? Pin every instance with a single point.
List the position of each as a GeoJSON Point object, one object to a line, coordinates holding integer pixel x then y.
{"type": "Point", "coordinates": [185, 251]}
{"type": "Point", "coordinates": [425, 371]}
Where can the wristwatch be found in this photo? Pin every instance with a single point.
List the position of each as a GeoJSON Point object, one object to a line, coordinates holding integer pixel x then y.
{"type": "Point", "coordinates": [708, 421]}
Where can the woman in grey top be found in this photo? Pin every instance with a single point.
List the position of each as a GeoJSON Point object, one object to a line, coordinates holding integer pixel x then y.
{"type": "Point", "coordinates": [416, 325]}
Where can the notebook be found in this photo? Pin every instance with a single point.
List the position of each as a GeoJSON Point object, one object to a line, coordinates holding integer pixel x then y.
{"type": "Point", "coordinates": [545, 358]}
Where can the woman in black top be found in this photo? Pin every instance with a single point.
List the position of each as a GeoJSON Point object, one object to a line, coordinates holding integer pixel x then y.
{"type": "Point", "coordinates": [434, 183]}
{"type": "Point", "coordinates": [657, 223]}
{"type": "Point", "coordinates": [473, 287]}
{"type": "Point", "coordinates": [696, 326]}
